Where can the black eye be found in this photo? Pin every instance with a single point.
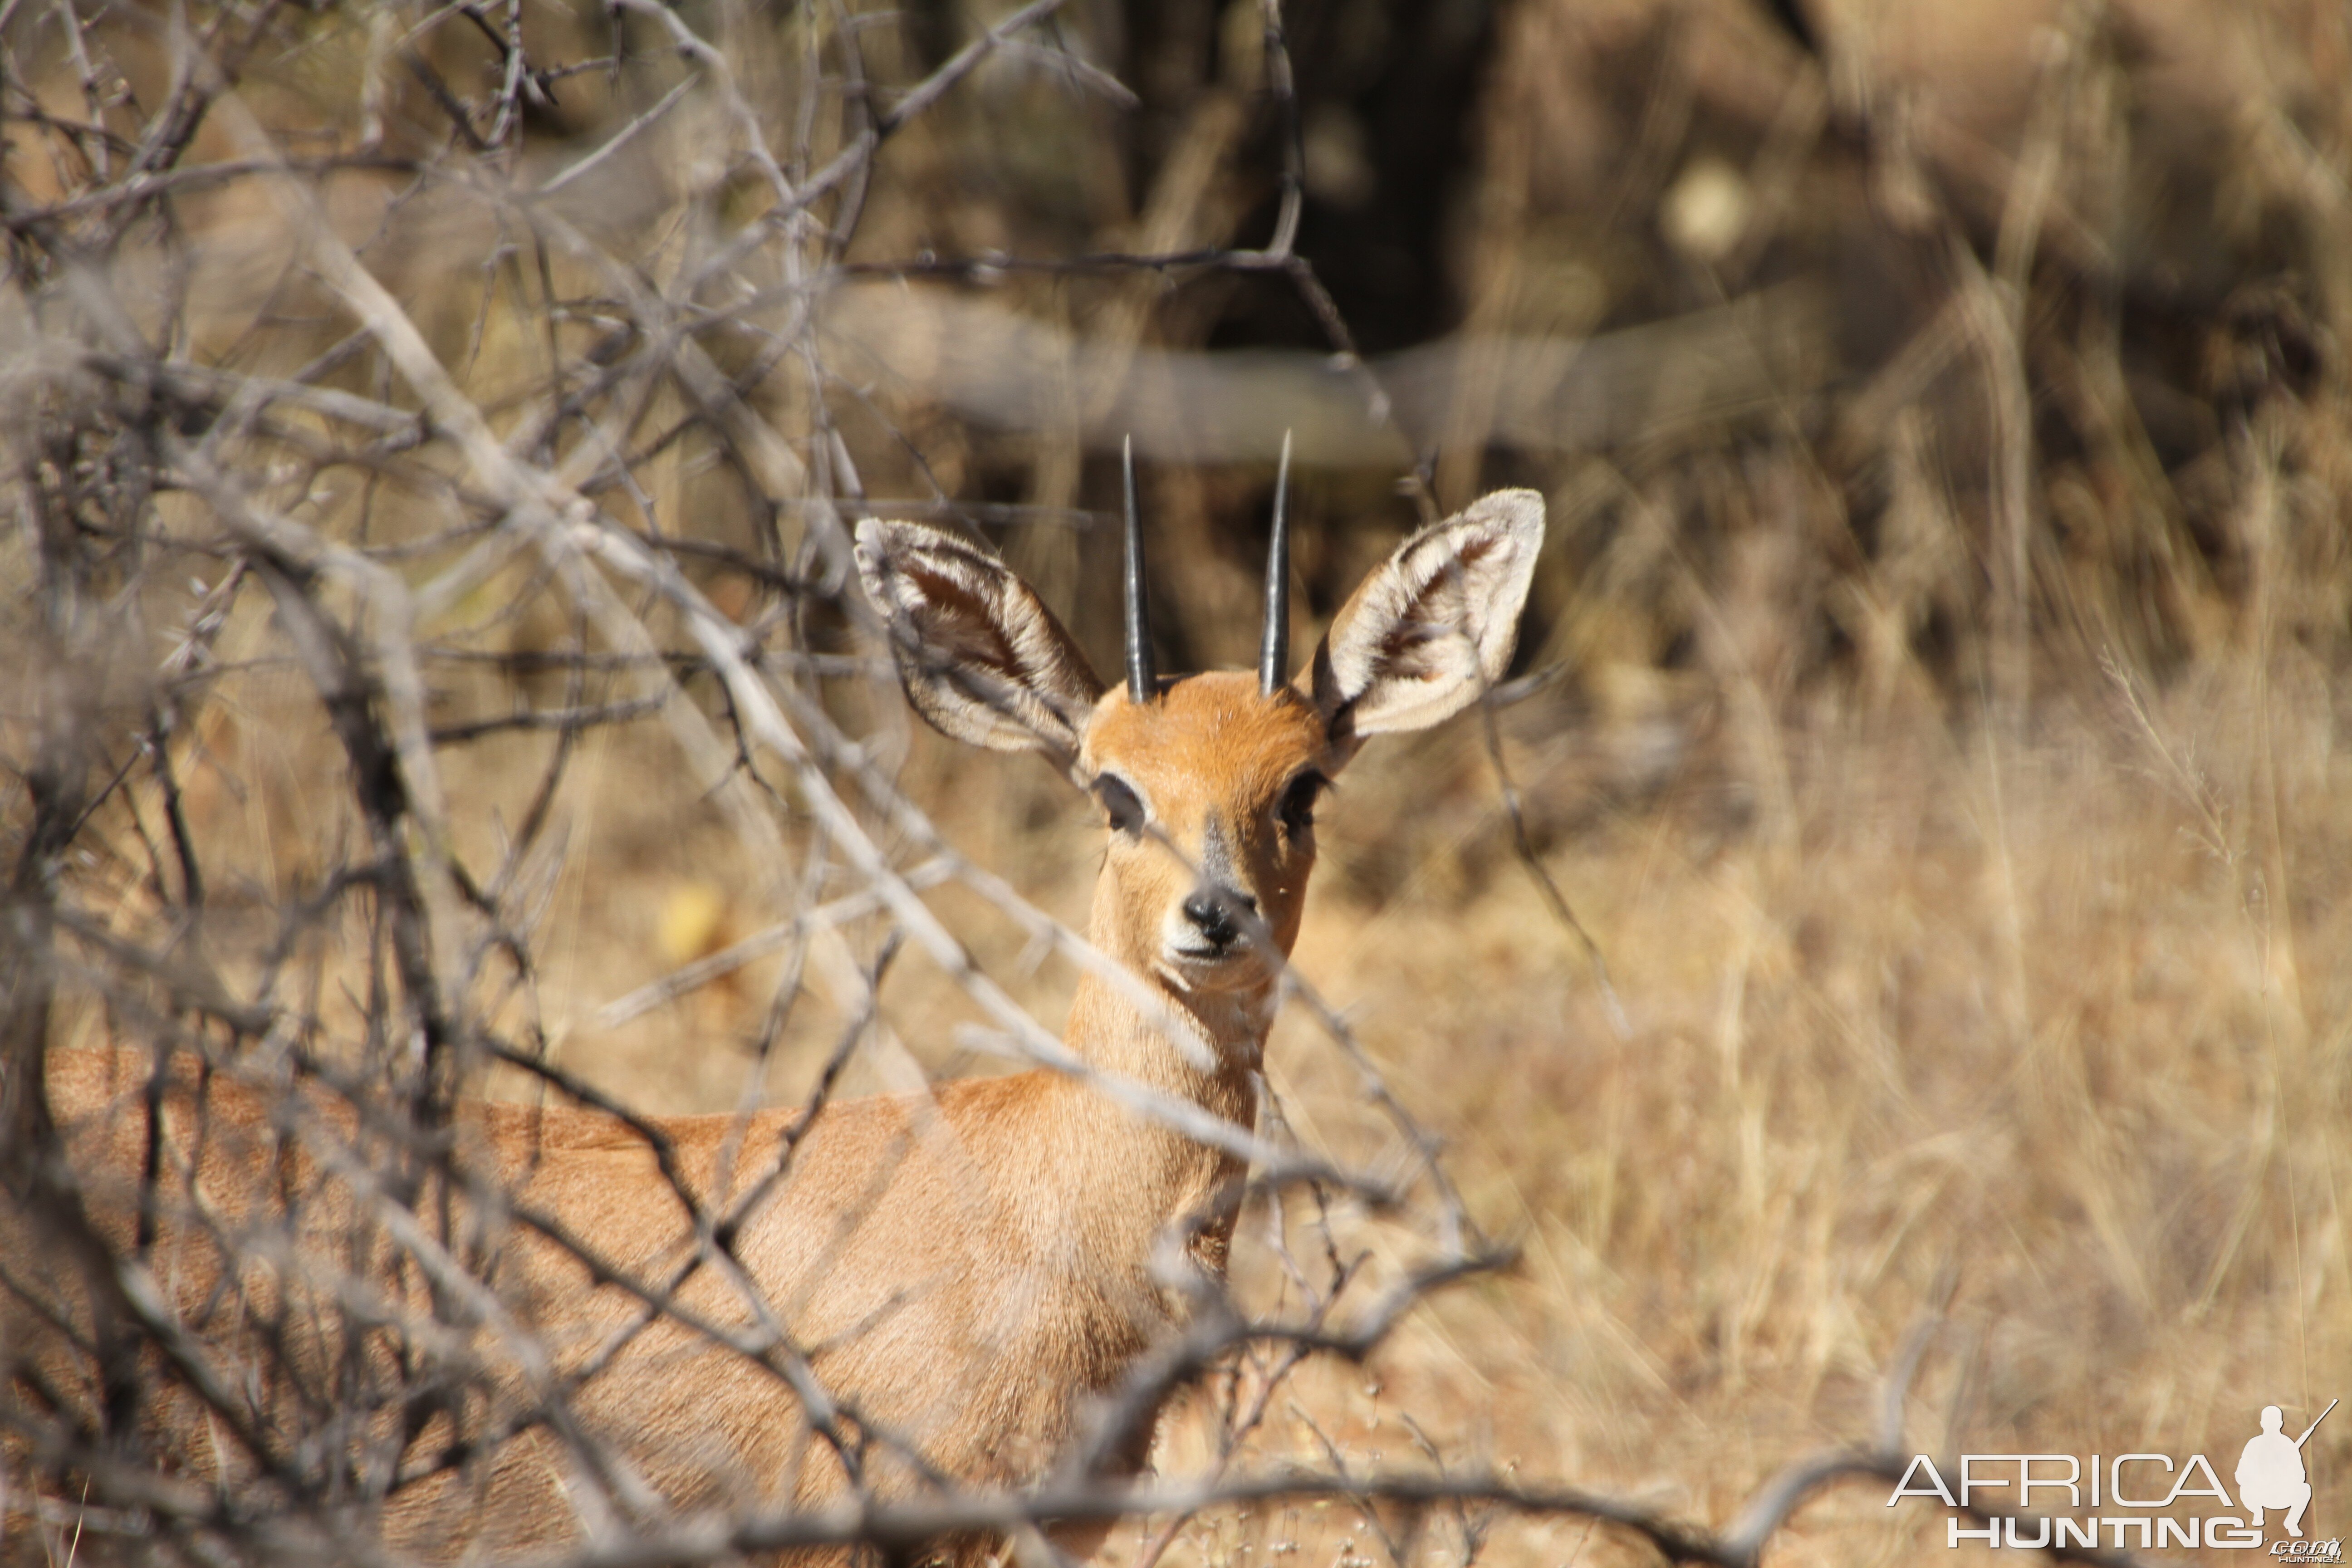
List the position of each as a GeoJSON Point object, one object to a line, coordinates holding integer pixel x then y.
{"type": "Point", "coordinates": [1297, 808]}
{"type": "Point", "coordinates": [1120, 802]}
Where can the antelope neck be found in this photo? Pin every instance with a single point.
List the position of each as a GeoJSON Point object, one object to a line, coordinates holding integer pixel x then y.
{"type": "Point", "coordinates": [1111, 1151]}
{"type": "Point", "coordinates": [1129, 1181]}
{"type": "Point", "coordinates": [1228, 1028]}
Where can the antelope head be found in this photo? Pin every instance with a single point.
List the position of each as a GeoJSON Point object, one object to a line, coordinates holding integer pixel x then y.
{"type": "Point", "coordinates": [1209, 782]}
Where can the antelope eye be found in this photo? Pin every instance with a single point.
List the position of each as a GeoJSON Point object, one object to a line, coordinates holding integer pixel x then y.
{"type": "Point", "coordinates": [1297, 808]}
{"type": "Point", "coordinates": [1120, 803]}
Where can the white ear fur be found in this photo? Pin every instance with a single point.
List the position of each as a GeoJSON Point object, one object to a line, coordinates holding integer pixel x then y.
{"type": "Point", "coordinates": [1434, 623]}
{"type": "Point", "coordinates": [980, 656]}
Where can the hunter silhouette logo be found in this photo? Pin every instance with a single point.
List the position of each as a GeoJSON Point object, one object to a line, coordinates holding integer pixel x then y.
{"type": "Point", "coordinates": [2146, 1492]}
{"type": "Point", "coordinates": [2270, 1472]}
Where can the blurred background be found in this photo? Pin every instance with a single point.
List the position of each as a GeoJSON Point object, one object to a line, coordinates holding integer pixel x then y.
{"type": "Point", "coordinates": [1932, 705]}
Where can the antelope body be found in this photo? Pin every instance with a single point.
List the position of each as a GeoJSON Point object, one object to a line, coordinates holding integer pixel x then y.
{"type": "Point", "coordinates": [971, 1271]}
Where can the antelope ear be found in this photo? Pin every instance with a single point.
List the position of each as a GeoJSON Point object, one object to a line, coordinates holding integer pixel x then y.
{"type": "Point", "coordinates": [1434, 623]}
{"type": "Point", "coordinates": [980, 656]}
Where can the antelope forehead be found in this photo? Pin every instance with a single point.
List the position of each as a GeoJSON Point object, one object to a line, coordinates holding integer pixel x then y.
{"type": "Point", "coordinates": [1207, 741]}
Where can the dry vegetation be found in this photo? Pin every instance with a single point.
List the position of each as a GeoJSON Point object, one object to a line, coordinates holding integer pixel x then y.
{"type": "Point", "coordinates": [1933, 706]}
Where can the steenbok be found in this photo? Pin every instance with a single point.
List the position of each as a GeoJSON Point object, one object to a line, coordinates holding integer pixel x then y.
{"type": "Point", "coordinates": [899, 1294]}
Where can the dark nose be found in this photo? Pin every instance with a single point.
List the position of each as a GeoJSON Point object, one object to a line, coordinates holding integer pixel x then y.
{"type": "Point", "coordinates": [1216, 913]}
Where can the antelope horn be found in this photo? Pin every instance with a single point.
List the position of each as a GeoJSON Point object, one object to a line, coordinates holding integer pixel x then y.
{"type": "Point", "coordinates": [1140, 680]}
{"type": "Point", "coordinates": [1274, 644]}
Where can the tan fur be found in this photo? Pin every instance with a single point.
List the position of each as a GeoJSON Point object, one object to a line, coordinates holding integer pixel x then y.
{"type": "Point", "coordinates": [972, 1271]}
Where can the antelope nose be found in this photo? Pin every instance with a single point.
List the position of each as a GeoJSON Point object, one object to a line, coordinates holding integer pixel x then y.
{"type": "Point", "coordinates": [1215, 912]}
